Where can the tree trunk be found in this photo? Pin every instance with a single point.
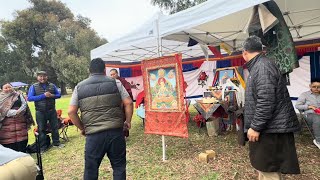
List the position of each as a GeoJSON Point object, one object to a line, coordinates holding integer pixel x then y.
{"type": "Point", "coordinates": [73, 86]}
{"type": "Point", "coordinates": [63, 88]}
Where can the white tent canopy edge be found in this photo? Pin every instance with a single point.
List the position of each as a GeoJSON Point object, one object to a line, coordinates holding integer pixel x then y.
{"type": "Point", "coordinates": [143, 41]}
{"type": "Point", "coordinates": [211, 22]}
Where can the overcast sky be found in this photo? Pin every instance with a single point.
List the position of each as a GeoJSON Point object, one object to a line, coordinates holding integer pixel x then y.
{"type": "Point", "coordinates": [110, 18]}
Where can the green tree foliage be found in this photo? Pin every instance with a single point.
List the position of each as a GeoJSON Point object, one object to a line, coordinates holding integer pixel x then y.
{"type": "Point", "coordinates": [48, 37]}
{"type": "Point", "coordinates": [10, 69]}
{"type": "Point", "coordinates": [174, 6]}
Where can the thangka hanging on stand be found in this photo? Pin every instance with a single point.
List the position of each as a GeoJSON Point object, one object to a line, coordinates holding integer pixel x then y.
{"type": "Point", "coordinates": [164, 96]}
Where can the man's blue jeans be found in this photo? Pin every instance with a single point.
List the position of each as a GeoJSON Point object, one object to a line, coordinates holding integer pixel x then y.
{"type": "Point", "coordinates": [42, 119]}
{"type": "Point", "coordinates": [111, 143]}
{"type": "Point", "coordinates": [314, 123]}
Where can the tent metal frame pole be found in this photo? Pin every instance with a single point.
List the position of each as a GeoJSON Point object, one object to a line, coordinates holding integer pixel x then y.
{"type": "Point", "coordinates": [159, 44]}
{"type": "Point", "coordinates": [163, 149]}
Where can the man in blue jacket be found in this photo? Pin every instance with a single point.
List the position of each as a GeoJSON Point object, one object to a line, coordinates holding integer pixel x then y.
{"type": "Point", "coordinates": [44, 94]}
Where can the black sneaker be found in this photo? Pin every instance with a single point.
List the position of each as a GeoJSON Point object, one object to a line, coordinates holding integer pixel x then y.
{"type": "Point", "coordinates": [42, 150]}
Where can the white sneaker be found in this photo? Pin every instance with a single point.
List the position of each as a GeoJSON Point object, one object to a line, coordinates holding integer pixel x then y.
{"type": "Point", "coordinates": [59, 146]}
{"type": "Point", "coordinates": [316, 143]}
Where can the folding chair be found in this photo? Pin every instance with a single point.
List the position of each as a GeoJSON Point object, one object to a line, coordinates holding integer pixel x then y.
{"type": "Point", "coordinates": [63, 124]}
{"type": "Point", "coordinates": [304, 120]}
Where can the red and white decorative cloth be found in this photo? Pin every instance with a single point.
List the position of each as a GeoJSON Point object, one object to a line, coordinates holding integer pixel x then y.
{"type": "Point", "coordinates": [136, 85]}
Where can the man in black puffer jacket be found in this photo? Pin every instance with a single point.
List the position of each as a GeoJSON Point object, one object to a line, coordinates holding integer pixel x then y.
{"type": "Point", "coordinates": [269, 117]}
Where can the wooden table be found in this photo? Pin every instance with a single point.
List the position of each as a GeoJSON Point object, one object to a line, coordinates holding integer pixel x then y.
{"type": "Point", "coordinates": [207, 110]}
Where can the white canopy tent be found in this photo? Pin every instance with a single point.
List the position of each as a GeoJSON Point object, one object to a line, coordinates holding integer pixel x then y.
{"type": "Point", "coordinates": [210, 23]}
{"type": "Point", "coordinates": [143, 43]}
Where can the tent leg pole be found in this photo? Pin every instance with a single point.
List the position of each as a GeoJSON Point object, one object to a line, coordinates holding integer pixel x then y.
{"type": "Point", "coordinates": [163, 149]}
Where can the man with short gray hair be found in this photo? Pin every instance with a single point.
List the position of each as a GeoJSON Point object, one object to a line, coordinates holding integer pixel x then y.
{"type": "Point", "coordinates": [309, 102]}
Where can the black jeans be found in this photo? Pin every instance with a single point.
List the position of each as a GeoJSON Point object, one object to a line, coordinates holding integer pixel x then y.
{"type": "Point", "coordinates": [111, 143]}
{"type": "Point", "coordinates": [42, 119]}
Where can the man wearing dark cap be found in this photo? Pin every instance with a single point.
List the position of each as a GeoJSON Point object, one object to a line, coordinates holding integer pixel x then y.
{"type": "Point", "coordinates": [269, 116]}
{"type": "Point", "coordinates": [44, 93]}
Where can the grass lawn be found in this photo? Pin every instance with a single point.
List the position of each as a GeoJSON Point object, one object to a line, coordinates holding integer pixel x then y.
{"type": "Point", "coordinates": [144, 155]}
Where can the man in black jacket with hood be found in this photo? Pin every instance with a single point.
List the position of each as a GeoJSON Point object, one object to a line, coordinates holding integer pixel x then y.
{"type": "Point", "coordinates": [269, 116]}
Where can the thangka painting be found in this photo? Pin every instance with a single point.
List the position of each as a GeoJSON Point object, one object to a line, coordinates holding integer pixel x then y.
{"type": "Point", "coordinates": [164, 96]}
{"type": "Point", "coordinates": [163, 89]}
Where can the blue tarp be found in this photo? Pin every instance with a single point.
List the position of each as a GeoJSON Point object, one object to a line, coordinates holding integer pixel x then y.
{"type": "Point", "coordinates": [18, 84]}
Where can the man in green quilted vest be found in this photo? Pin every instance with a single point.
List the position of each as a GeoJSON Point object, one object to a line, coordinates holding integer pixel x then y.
{"type": "Point", "coordinates": [106, 108]}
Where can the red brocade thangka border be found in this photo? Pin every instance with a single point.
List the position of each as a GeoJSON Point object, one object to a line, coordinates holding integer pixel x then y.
{"type": "Point", "coordinates": [164, 96]}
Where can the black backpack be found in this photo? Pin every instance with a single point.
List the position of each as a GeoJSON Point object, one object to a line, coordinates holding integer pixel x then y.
{"type": "Point", "coordinates": [32, 148]}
